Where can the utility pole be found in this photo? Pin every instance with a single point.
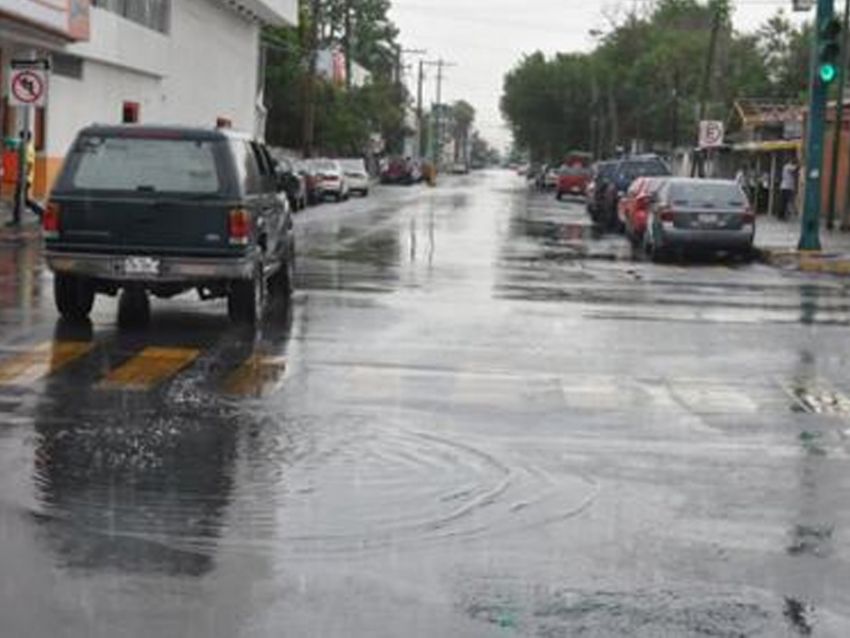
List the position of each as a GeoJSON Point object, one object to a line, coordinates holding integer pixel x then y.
{"type": "Point", "coordinates": [347, 45]}
{"type": "Point", "coordinates": [436, 112]}
{"type": "Point", "coordinates": [309, 122]}
{"type": "Point", "coordinates": [595, 126]}
{"type": "Point", "coordinates": [674, 140]}
{"type": "Point", "coordinates": [823, 72]}
{"type": "Point", "coordinates": [705, 87]}
{"type": "Point", "coordinates": [420, 141]}
{"type": "Point", "coordinates": [838, 123]}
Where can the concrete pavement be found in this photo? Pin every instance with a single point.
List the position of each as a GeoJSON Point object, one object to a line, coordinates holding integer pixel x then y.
{"type": "Point", "coordinates": [476, 418]}
{"type": "Point", "coordinates": [777, 241]}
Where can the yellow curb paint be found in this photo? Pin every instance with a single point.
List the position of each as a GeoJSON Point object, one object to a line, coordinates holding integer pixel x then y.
{"type": "Point", "coordinates": [150, 367]}
{"type": "Point", "coordinates": [257, 375]}
{"type": "Point", "coordinates": [43, 360]}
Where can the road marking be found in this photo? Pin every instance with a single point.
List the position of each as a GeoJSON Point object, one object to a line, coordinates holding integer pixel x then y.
{"type": "Point", "coordinates": [257, 375]}
{"type": "Point", "coordinates": [41, 361]}
{"type": "Point", "coordinates": [150, 367]}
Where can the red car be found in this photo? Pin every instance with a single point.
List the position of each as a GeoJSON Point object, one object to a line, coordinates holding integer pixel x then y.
{"type": "Point", "coordinates": [573, 181]}
{"type": "Point", "coordinates": [633, 208]}
{"type": "Point", "coordinates": [574, 175]}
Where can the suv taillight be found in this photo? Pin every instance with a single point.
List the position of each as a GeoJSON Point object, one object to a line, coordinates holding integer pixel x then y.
{"type": "Point", "coordinates": [749, 217]}
{"type": "Point", "coordinates": [239, 226]}
{"type": "Point", "coordinates": [50, 221]}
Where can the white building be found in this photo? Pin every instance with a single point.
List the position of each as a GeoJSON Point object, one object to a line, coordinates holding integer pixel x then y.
{"type": "Point", "coordinates": [194, 62]}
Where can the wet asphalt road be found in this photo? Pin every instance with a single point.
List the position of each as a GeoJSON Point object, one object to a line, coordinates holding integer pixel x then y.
{"type": "Point", "coordinates": [476, 419]}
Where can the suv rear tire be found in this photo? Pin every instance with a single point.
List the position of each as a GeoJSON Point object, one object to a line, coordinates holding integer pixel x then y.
{"type": "Point", "coordinates": [74, 296]}
{"type": "Point", "coordinates": [245, 299]}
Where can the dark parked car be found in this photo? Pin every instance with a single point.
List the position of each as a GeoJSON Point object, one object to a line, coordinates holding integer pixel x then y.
{"type": "Point", "coordinates": [602, 174]}
{"type": "Point", "coordinates": [622, 174]}
{"type": "Point", "coordinates": [162, 210]}
{"type": "Point", "coordinates": [699, 215]}
{"type": "Point", "coordinates": [293, 183]}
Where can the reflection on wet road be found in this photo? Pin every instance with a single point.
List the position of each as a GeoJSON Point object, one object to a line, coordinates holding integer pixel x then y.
{"type": "Point", "coordinates": [478, 417]}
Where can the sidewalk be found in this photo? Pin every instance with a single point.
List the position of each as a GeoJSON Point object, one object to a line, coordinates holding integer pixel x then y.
{"type": "Point", "coordinates": [776, 244]}
{"type": "Point", "coordinates": [28, 229]}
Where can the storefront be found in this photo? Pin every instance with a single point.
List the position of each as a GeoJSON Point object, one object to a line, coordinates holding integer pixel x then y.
{"type": "Point", "coordinates": [33, 28]}
{"type": "Point", "coordinates": [190, 62]}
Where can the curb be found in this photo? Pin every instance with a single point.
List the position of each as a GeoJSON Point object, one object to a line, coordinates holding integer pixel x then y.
{"type": "Point", "coordinates": [813, 261]}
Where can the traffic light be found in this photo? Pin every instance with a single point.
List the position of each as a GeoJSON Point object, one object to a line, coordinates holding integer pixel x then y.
{"type": "Point", "coordinates": [829, 50]}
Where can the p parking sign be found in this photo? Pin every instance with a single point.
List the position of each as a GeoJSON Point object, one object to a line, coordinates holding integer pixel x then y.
{"type": "Point", "coordinates": [711, 133]}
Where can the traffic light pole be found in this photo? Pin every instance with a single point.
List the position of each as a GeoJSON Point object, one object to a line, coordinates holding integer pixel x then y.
{"type": "Point", "coordinates": [838, 121]}
{"type": "Point", "coordinates": [810, 224]}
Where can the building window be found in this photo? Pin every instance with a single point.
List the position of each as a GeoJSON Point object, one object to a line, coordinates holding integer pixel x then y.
{"type": "Point", "coordinates": [153, 14]}
{"type": "Point", "coordinates": [69, 66]}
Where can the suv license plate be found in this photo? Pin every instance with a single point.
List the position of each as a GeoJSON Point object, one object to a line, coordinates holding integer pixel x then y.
{"type": "Point", "coordinates": [141, 266]}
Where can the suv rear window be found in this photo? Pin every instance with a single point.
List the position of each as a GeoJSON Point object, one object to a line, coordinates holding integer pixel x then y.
{"type": "Point", "coordinates": [707, 195]}
{"type": "Point", "coordinates": [146, 164]}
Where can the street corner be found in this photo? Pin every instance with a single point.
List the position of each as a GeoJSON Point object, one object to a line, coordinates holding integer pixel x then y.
{"type": "Point", "coordinates": [806, 261]}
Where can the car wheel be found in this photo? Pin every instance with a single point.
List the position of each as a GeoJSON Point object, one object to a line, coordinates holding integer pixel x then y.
{"type": "Point", "coordinates": [74, 296]}
{"type": "Point", "coordinates": [245, 299]}
{"type": "Point", "coordinates": [559, 196]}
{"type": "Point", "coordinates": [134, 308]}
{"type": "Point", "coordinates": [282, 283]}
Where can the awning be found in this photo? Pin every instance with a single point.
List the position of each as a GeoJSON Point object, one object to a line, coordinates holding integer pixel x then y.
{"type": "Point", "coordinates": [773, 146]}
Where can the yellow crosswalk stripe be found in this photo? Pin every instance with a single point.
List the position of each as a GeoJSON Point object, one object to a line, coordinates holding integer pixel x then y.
{"type": "Point", "coordinates": [150, 367]}
{"type": "Point", "coordinates": [257, 375]}
{"type": "Point", "coordinates": [41, 361]}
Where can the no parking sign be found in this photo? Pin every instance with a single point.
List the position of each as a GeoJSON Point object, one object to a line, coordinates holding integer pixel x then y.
{"type": "Point", "coordinates": [28, 83]}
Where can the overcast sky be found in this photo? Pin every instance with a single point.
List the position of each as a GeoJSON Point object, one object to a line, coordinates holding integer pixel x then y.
{"type": "Point", "coordinates": [485, 38]}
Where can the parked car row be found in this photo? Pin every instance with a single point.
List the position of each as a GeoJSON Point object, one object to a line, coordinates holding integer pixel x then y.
{"type": "Point", "coordinates": [664, 215]}
{"type": "Point", "coordinates": [309, 182]}
{"type": "Point", "coordinates": [678, 215]}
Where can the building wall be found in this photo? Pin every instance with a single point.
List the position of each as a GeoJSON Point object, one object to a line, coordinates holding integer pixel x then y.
{"type": "Point", "coordinates": [214, 60]}
{"type": "Point", "coordinates": [206, 67]}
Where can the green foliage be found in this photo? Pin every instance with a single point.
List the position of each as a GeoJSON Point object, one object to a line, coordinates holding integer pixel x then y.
{"type": "Point", "coordinates": [643, 80]}
{"type": "Point", "coordinates": [344, 120]}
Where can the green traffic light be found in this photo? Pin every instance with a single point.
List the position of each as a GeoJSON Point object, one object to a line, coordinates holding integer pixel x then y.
{"type": "Point", "coordinates": [828, 72]}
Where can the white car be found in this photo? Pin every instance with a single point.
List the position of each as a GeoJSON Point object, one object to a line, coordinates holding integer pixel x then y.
{"type": "Point", "coordinates": [331, 180]}
{"type": "Point", "coordinates": [356, 176]}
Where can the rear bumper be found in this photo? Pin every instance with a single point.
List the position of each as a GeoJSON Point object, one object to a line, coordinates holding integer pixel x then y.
{"type": "Point", "coordinates": [713, 239]}
{"type": "Point", "coordinates": [571, 189]}
{"type": "Point", "coordinates": [358, 184]}
{"type": "Point", "coordinates": [171, 269]}
{"type": "Point", "coordinates": [330, 187]}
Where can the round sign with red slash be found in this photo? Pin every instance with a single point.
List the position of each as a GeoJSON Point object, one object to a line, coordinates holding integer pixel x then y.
{"type": "Point", "coordinates": [28, 88]}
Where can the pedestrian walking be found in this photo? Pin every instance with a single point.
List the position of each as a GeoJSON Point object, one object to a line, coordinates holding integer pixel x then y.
{"type": "Point", "coordinates": [29, 179]}
{"type": "Point", "coordinates": [743, 179]}
{"type": "Point", "coordinates": [788, 186]}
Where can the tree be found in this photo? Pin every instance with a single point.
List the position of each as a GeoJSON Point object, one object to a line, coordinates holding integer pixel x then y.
{"type": "Point", "coordinates": [344, 120]}
{"type": "Point", "coordinates": [645, 78]}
